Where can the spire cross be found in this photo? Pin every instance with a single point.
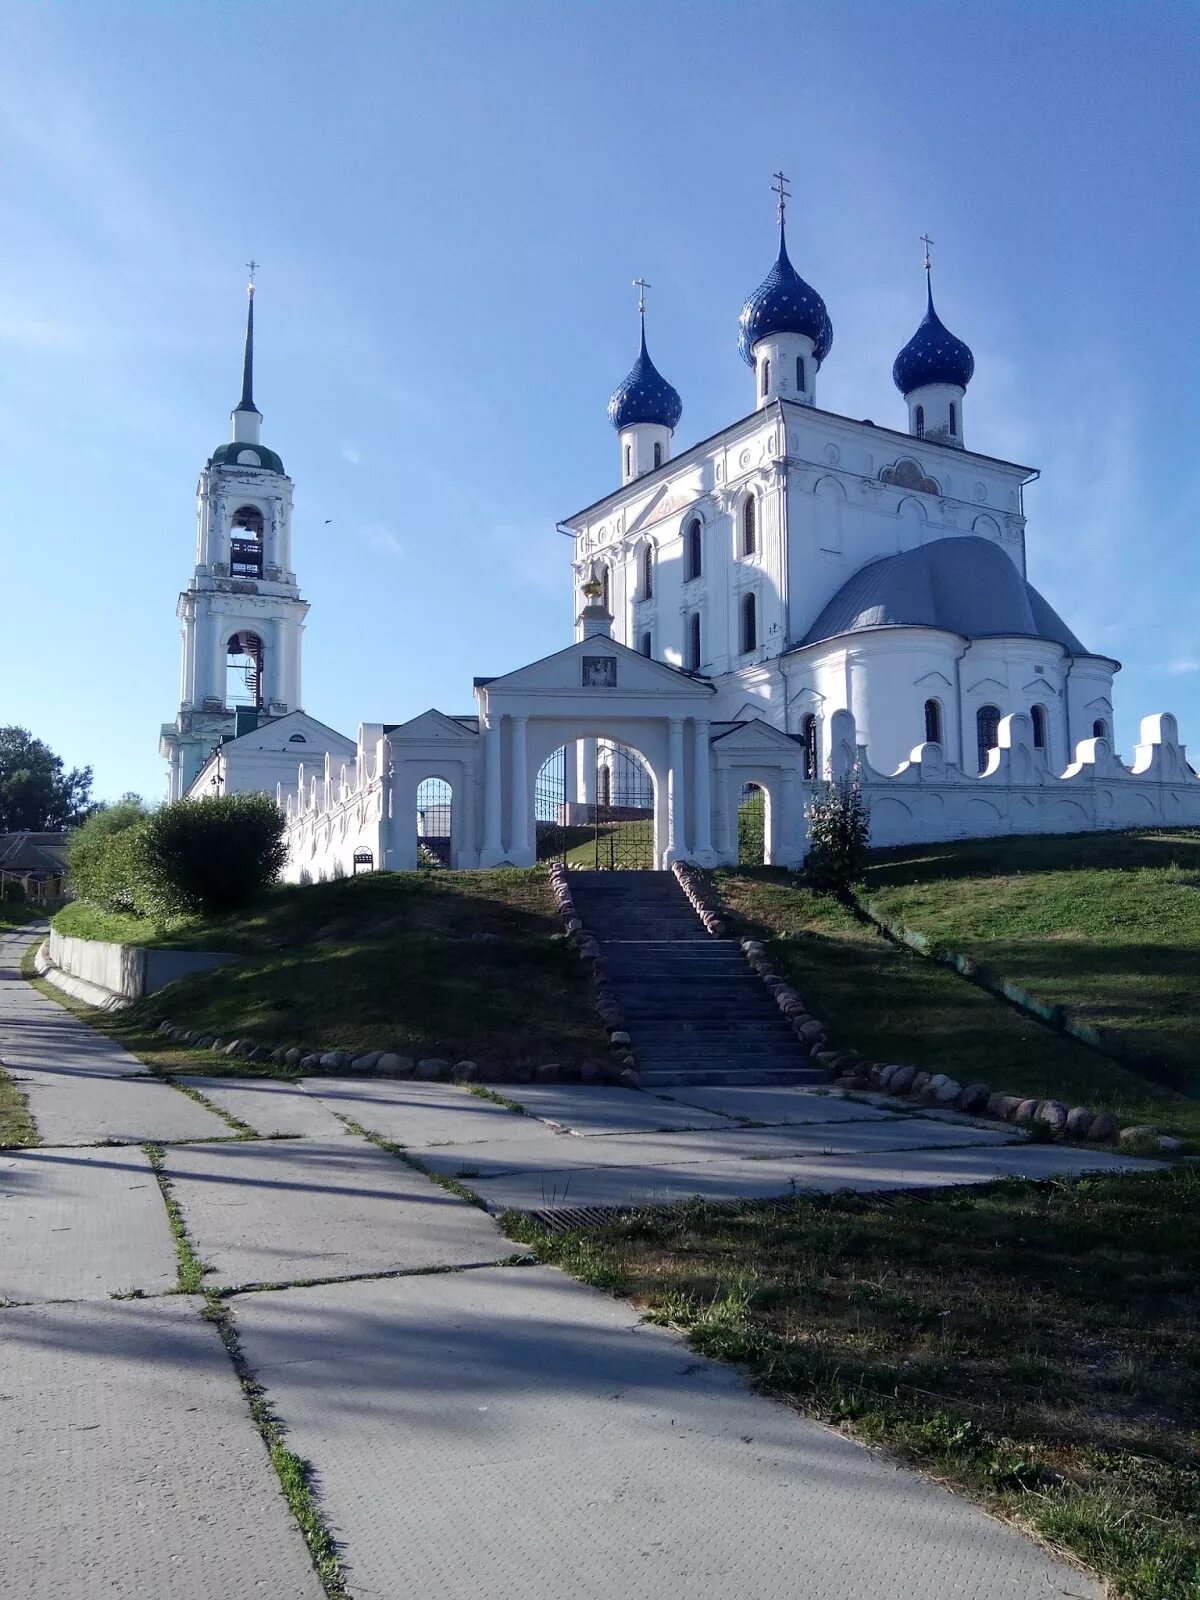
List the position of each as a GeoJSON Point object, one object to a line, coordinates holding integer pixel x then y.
{"type": "Point", "coordinates": [641, 286]}
{"type": "Point", "coordinates": [927, 241]}
{"type": "Point", "coordinates": [779, 188]}
{"type": "Point", "coordinates": [252, 267]}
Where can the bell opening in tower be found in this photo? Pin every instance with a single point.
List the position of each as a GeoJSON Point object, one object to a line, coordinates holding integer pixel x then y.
{"type": "Point", "coordinates": [244, 671]}
{"type": "Point", "coordinates": [246, 543]}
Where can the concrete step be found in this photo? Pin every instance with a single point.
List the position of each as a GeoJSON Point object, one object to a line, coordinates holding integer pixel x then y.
{"type": "Point", "coordinates": [659, 1079]}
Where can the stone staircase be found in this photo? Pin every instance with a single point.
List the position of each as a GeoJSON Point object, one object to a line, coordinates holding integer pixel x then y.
{"type": "Point", "coordinates": [695, 1012]}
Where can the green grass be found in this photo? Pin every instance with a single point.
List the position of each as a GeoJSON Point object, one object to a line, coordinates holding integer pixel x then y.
{"type": "Point", "coordinates": [15, 914]}
{"type": "Point", "coordinates": [16, 1125]}
{"type": "Point", "coordinates": [1106, 926]}
{"type": "Point", "coordinates": [1033, 1345]}
{"type": "Point", "coordinates": [610, 844]}
{"type": "Point", "coordinates": [893, 1005]}
{"type": "Point", "coordinates": [460, 965]}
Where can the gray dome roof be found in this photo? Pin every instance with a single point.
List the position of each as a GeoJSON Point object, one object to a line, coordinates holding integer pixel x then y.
{"type": "Point", "coordinates": [965, 585]}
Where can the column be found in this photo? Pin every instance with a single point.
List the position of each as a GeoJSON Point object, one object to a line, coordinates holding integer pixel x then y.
{"type": "Point", "coordinates": [518, 832]}
{"type": "Point", "coordinates": [675, 839]}
{"type": "Point", "coordinates": [787, 835]}
{"type": "Point", "coordinates": [570, 778]}
{"type": "Point", "coordinates": [726, 854]}
{"type": "Point", "coordinates": [492, 847]}
{"type": "Point", "coordinates": [586, 749]}
{"type": "Point", "coordinates": [701, 760]}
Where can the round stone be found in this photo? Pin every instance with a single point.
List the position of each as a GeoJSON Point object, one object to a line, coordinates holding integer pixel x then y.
{"type": "Point", "coordinates": [975, 1098]}
{"type": "Point", "coordinates": [393, 1066]}
{"type": "Point", "coordinates": [1025, 1112]}
{"type": "Point", "coordinates": [1079, 1120]}
{"type": "Point", "coordinates": [1104, 1126]}
{"type": "Point", "coordinates": [433, 1068]}
{"type": "Point", "coordinates": [1053, 1113]}
{"type": "Point", "coordinates": [901, 1080]}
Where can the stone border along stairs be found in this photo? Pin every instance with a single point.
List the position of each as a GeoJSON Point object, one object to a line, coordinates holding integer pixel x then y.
{"type": "Point", "coordinates": [670, 986]}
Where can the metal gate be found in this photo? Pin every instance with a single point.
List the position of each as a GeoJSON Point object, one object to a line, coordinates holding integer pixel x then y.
{"type": "Point", "coordinates": [752, 826]}
{"type": "Point", "coordinates": [615, 831]}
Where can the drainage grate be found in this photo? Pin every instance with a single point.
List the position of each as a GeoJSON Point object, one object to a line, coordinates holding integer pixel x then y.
{"type": "Point", "coordinates": [568, 1219]}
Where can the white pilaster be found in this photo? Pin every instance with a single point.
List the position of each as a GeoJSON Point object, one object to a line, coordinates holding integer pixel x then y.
{"type": "Point", "coordinates": [493, 850]}
{"type": "Point", "coordinates": [675, 837]}
{"type": "Point", "coordinates": [519, 849]}
{"type": "Point", "coordinates": [701, 775]}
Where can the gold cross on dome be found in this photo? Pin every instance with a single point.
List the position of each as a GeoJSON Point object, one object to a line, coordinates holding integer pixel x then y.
{"type": "Point", "coordinates": [926, 241]}
{"type": "Point", "coordinates": [780, 188]}
{"type": "Point", "coordinates": [641, 286]}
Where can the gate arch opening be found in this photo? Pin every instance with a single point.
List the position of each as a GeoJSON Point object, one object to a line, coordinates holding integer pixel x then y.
{"type": "Point", "coordinates": [752, 826]}
{"type": "Point", "coordinates": [435, 823]}
{"type": "Point", "coordinates": [615, 828]}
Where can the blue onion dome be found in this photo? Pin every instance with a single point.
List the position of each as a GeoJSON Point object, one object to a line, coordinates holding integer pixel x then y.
{"type": "Point", "coordinates": [784, 303]}
{"type": "Point", "coordinates": [932, 355]}
{"type": "Point", "coordinates": [644, 396]}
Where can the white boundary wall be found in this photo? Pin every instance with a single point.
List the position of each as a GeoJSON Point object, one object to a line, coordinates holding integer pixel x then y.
{"type": "Point", "coordinates": [369, 808]}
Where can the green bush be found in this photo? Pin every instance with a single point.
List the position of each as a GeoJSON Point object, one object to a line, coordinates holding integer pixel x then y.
{"type": "Point", "coordinates": [211, 855]}
{"type": "Point", "coordinates": [12, 891]}
{"type": "Point", "coordinates": [103, 857]}
{"type": "Point", "coordinates": [839, 833]}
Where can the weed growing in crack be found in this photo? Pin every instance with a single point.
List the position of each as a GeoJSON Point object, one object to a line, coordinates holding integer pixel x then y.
{"type": "Point", "coordinates": [402, 1153]}
{"type": "Point", "coordinates": [190, 1270]}
{"type": "Point", "coordinates": [295, 1475]}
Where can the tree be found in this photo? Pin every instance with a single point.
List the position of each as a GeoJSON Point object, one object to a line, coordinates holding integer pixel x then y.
{"type": "Point", "coordinates": [210, 855]}
{"type": "Point", "coordinates": [839, 834]}
{"type": "Point", "coordinates": [104, 864]}
{"type": "Point", "coordinates": [36, 794]}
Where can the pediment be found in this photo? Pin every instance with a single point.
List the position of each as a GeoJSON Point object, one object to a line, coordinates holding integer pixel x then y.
{"type": "Point", "coordinates": [754, 735]}
{"type": "Point", "coordinates": [434, 725]}
{"type": "Point", "coordinates": [600, 667]}
{"type": "Point", "coordinates": [280, 732]}
{"type": "Point", "coordinates": [985, 683]}
{"type": "Point", "coordinates": [1100, 703]}
{"type": "Point", "coordinates": [1042, 687]}
{"type": "Point", "coordinates": [933, 680]}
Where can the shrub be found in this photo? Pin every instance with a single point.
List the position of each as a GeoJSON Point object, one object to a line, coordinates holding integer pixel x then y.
{"type": "Point", "coordinates": [103, 859]}
{"type": "Point", "coordinates": [839, 832]}
{"type": "Point", "coordinates": [211, 855]}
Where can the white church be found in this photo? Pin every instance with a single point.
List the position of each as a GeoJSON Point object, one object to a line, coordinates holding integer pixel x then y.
{"type": "Point", "coordinates": [801, 596]}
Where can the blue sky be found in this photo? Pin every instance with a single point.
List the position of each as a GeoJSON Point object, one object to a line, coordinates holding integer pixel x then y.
{"type": "Point", "coordinates": [449, 203]}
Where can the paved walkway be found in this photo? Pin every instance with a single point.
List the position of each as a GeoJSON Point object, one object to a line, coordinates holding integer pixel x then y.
{"type": "Point", "coordinates": [476, 1426]}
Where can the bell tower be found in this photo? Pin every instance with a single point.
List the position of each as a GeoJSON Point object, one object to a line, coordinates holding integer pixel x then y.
{"type": "Point", "coordinates": [241, 616]}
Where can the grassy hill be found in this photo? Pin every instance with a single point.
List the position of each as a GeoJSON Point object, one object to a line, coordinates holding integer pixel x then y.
{"type": "Point", "coordinates": [1102, 924]}
{"type": "Point", "coordinates": [460, 965]}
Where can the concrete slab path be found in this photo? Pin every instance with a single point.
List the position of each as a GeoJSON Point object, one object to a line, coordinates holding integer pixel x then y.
{"type": "Point", "coordinates": [273, 1212]}
{"type": "Point", "coordinates": [81, 1225]}
{"type": "Point", "coordinates": [271, 1106]}
{"type": "Point", "coordinates": [416, 1114]}
{"type": "Point", "coordinates": [585, 1110]}
{"type": "Point", "coordinates": [510, 1433]}
{"type": "Point", "coordinates": [131, 1466]}
{"type": "Point", "coordinates": [80, 1086]}
{"type": "Point", "coordinates": [652, 1184]}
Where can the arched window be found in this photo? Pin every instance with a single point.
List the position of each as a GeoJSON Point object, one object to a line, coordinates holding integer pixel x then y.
{"type": "Point", "coordinates": [244, 670]}
{"type": "Point", "coordinates": [658, 455]}
{"type": "Point", "coordinates": [765, 374]}
{"type": "Point", "coordinates": [933, 722]}
{"type": "Point", "coordinates": [628, 459]}
{"type": "Point", "coordinates": [647, 645]}
{"type": "Point", "coordinates": [648, 572]}
{"type": "Point", "coordinates": [297, 738]}
{"type": "Point", "coordinates": [1037, 715]}
{"type": "Point", "coordinates": [246, 543]}
{"type": "Point", "coordinates": [953, 418]}
{"type": "Point", "coordinates": [749, 624]}
{"type": "Point", "coordinates": [808, 733]}
{"type": "Point", "coordinates": [606, 588]}
{"type": "Point", "coordinates": [1099, 729]}
{"type": "Point", "coordinates": [919, 421]}
{"type": "Point", "coordinates": [749, 526]}
{"type": "Point", "coordinates": [987, 732]}
{"type": "Point", "coordinates": [693, 654]}
{"type": "Point", "coordinates": [695, 556]}
{"type": "Point", "coordinates": [801, 382]}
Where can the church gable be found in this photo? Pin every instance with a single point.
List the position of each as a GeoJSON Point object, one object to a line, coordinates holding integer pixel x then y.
{"type": "Point", "coordinates": [754, 735]}
{"type": "Point", "coordinates": [599, 665]}
{"type": "Point", "coordinates": [292, 733]}
{"type": "Point", "coordinates": [432, 727]}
